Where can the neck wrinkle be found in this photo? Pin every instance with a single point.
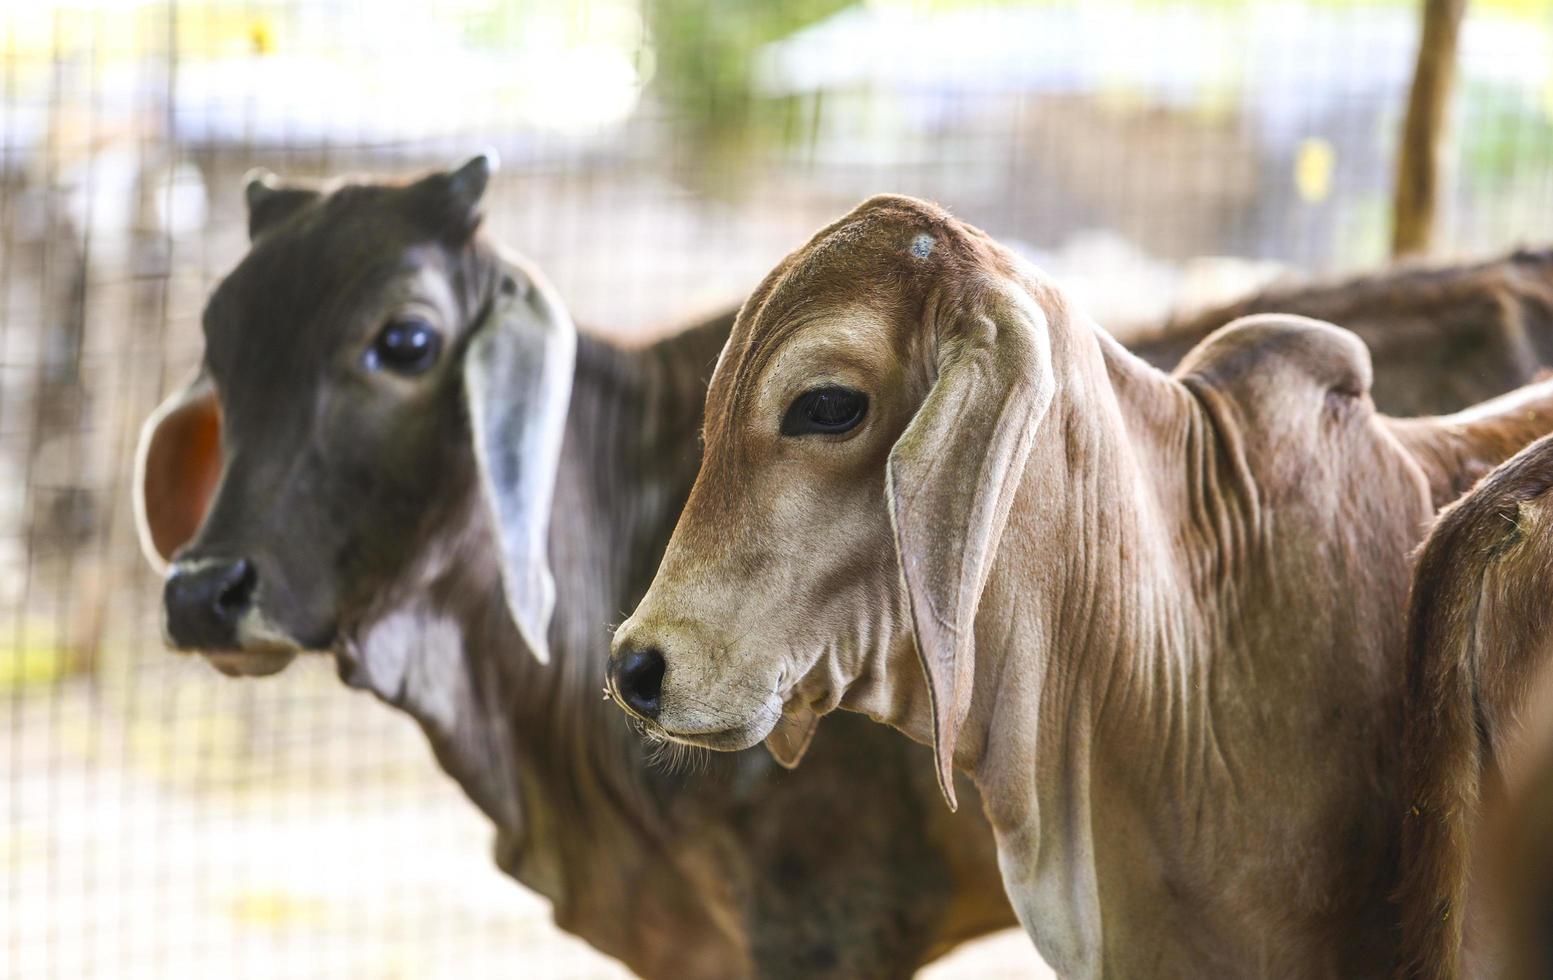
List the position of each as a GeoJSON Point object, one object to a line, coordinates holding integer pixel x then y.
{"type": "Point", "coordinates": [1089, 641]}
{"type": "Point", "coordinates": [1184, 526]}
{"type": "Point", "coordinates": [1089, 619]}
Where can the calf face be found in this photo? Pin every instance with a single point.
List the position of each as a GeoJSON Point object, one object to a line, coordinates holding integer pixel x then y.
{"type": "Point", "coordinates": [320, 462]}
{"type": "Point", "coordinates": [866, 428]}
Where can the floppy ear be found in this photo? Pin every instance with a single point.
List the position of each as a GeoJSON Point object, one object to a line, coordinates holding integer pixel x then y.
{"type": "Point", "coordinates": [177, 467]}
{"type": "Point", "coordinates": [953, 475]}
{"type": "Point", "coordinates": [518, 382]}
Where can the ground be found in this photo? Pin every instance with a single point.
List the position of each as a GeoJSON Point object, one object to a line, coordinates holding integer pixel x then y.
{"type": "Point", "coordinates": [185, 825]}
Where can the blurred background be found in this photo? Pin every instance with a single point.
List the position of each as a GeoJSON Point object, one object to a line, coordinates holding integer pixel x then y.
{"type": "Point", "coordinates": [157, 820]}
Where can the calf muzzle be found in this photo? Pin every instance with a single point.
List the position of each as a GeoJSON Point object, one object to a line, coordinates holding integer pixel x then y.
{"type": "Point", "coordinates": [205, 600]}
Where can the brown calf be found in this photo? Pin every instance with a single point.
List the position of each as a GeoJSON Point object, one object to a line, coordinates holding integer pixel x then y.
{"type": "Point", "coordinates": [1158, 619]}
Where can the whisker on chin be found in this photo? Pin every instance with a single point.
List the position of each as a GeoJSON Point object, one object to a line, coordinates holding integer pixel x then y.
{"type": "Point", "coordinates": [670, 756]}
{"type": "Point", "coordinates": [680, 759]}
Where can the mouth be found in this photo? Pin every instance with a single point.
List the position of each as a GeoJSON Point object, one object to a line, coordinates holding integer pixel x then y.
{"type": "Point", "coordinates": [732, 739]}
{"type": "Point", "coordinates": [250, 663]}
{"type": "Point", "coordinates": [727, 740]}
{"type": "Point", "coordinates": [683, 717]}
{"type": "Point", "coordinates": [262, 653]}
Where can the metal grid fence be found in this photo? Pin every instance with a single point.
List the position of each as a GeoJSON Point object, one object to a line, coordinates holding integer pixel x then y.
{"type": "Point", "coordinates": [157, 820]}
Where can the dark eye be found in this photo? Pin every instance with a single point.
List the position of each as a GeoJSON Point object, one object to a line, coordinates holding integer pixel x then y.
{"type": "Point", "coordinates": [407, 346]}
{"type": "Point", "coordinates": [828, 410]}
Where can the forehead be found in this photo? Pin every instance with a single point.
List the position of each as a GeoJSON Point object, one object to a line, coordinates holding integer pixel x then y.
{"type": "Point", "coordinates": [848, 336]}
{"type": "Point", "coordinates": [315, 275]}
{"type": "Point", "coordinates": [875, 256]}
{"type": "Point", "coordinates": [849, 293]}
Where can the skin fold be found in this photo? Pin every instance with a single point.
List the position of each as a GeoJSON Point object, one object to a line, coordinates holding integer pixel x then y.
{"type": "Point", "coordinates": [1158, 618]}
{"type": "Point", "coordinates": [372, 509]}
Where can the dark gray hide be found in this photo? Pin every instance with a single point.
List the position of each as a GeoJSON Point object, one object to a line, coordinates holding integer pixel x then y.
{"type": "Point", "coordinates": [350, 516]}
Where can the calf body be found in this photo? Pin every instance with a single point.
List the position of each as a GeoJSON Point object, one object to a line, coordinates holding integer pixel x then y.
{"type": "Point", "coordinates": [1158, 619]}
{"type": "Point", "coordinates": [349, 490]}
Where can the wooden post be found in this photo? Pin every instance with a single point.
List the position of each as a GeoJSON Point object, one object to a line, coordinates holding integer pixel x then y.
{"type": "Point", "coordinates": [1420, 156]}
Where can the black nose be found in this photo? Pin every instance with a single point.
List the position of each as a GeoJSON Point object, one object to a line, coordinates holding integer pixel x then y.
{"type": "Point", "coordinates": [638, 678]}
{"type": "Point", "coordinates": [204, 600]}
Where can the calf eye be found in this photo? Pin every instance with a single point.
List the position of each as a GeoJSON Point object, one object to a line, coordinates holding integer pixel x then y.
{"type": "Point", "coordinates": [828, 410]}
{"type": "Point", "coordinates": [406, 346]}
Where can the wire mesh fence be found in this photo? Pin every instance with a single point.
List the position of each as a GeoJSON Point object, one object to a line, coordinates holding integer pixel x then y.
{"type": "Point", "coordinates": [659, 155]}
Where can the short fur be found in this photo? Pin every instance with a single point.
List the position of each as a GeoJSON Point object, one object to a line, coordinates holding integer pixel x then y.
{"type": "Point", "coordinates": [1159, 619]}
{"type": "Point", "coordinates": [1479, 640]}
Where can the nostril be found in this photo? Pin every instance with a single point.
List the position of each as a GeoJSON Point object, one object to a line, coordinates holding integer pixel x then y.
{"type": "Point", "coordinates": [639, 680]}
{"type": "Point", "coordinates": [203, 602]}
{"type": "Point", "coordinates": [235, 594]}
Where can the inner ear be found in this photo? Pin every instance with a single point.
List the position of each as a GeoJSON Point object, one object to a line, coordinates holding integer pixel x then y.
{"type": "Point", "coordinates": [518, 383]}
{"type": "Point", "coordinates": [177, 468]}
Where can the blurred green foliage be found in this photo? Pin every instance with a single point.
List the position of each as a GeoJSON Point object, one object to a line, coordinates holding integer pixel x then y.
{"type": "Point", "coordinates": [704, 52]}
{"type": "Point", "coordinates": [1507, 135]}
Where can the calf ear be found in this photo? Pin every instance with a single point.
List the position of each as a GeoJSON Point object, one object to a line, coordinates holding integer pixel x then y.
{"type": "Point", "coordinates": [518, 382]}
{"type": "Point", "coordinates": [952, 477]}
{"type": "Point", "coordinates": [450, 203]}
{"type": "Point", "coordinates": [269, 203]}
{"type": "Point", "coordinates": [177, 467]}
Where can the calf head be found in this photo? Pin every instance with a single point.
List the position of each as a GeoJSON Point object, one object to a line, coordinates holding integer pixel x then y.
{"type": "Point", "coordinates": [868, 425]}
{"type": "Point", "coordinates": [370, 364]}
